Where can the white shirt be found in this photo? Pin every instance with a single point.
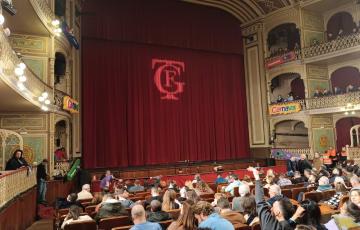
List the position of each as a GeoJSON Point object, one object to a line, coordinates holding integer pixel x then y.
{"type": "Point", "coordinates": [84, 195]}
{"type": "Point", "coordinates": [81, 219]}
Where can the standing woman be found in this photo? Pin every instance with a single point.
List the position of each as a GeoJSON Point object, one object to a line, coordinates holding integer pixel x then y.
{"type": "Point", "coordinates": [16, 161]}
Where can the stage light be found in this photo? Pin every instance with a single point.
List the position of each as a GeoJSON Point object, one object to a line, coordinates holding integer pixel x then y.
{"type": "Point", "coordinates": [22, 78]}
{"type": "Point", "coordinates": [19, 71]}
{"type": "Point", "coordinates": [55, 22]}
{"type": "Point", "coordinates": [45, 95]}
{"type": "Point", "coordinates": [2, 19]}
{"type": "Point", "coordinates": [47, 102]}
{"type": "Point", "coordinates": [22, 66]}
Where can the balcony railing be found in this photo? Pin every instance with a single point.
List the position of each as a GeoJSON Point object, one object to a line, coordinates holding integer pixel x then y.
{"type": "Point", "coordinates": [280, 59]}
{"type": "Point", "coordinates": [340, 43]}
{"type": "Point", "coordinates": [353, 153]}
{"type": "Point", "coordinates": [13, 183]}
{"type": "Point", "coordinates": [287, 153]}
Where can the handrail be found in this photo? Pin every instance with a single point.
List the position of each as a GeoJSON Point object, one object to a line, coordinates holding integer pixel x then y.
{"type": "Point", "coordinates": [13, 183]}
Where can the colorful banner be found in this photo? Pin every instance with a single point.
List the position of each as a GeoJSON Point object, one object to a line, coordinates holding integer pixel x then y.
{"type": "Point", "coordinates": [290, 107]}
{"type": "Point", "coordinates": [273, 62]}
{"type": "Point", "coordinates": [71, 105]}
{"type": "Point", "coordinates": [281, 154]}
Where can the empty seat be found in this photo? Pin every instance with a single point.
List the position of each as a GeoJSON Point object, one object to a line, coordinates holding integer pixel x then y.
{"type": "Point", "coordinates": [111, 222]}
{"type": "Point", "coordinates": [86, 225]}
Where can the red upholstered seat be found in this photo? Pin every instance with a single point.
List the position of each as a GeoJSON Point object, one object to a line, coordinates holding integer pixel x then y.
{"type": "Point", "coordinates": [90, 209]}
{"type": "Point", "coordinates": [256, 227]}
{"type": "Point", "coordinates": [111, 222]}
{"type": "Point", "coordinates": [86, 225]}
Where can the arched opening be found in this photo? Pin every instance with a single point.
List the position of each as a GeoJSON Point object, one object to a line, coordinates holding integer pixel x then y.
{"type": "Point", "coordinates": [60, 8]}
{"type": "Point", "coordinates": [61, 137]}
{"type": "Point", "coordinates": [345, 79]}
{"type": "Point", "coordinates": [340, 24]}
{"type": "Point", "coordinates": [343, 127]}
{"type": "Point", "coordinates": [287, 87]}
{"type": "Point", "coordinates": [291, 134]}
{"type": "Point", "coordinates": [283, 38]}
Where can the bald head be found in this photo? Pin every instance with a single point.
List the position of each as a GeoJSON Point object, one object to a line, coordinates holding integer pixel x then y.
{"type": "Point", "coordinates": [138, 214]}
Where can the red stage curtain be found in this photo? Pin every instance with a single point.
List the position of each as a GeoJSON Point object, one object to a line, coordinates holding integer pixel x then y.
{"type": "Point", "coordinates": [344, 77]}
{"type": "Point", "coordinates": [125, 121]}
{"type": "Point", "coordinates": [343, 127]}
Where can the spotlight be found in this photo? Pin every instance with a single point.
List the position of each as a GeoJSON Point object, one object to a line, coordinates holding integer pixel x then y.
{"type": "Point", "coordinates": [353, 112]}
{"type": "Point", "coordinates": [346, 113]}
{"type": "Point", "coordinates": [21, 86]}
{"type": "Point", "coordinates": [55, 22]}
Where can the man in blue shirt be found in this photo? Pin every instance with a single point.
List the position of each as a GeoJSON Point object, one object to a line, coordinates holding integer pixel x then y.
{"type": "Point", "coordinates": [208, 218]}
{"type": "Point", "coordinates": [220, 179]}
{"type": "Point", "coordinates": [139, 218]}
{"type": "Point", "coordinates": [234, 182]}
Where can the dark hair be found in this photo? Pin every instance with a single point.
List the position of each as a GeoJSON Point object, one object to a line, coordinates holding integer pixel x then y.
{"type": "Point", "coordinates": [312, 213]}
{"type": "Point", "coordinates": [223, 203]}
{"type": "Point", "coordinates": [249, 205]}
{"type": "Point", "coordinates": [203, 207]}
{"type": "Point", "coordinates": [353, 210]}
{"type": "Point", "coordinates": [18, 150]}
{"type": "Point", "coordinates": [286, 207]}
{"type": "Point", "coordinates": [73, 197]}
{"type": "Point", "coordinates": [350, 168]}
{"type": "Point", "coordinates": [74, 212]}
{"type": "Point", "coordinates": [304, 227]}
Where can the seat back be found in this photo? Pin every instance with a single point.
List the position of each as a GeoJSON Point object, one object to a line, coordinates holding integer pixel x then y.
{"type": "Point", "coordinates": [123, 227]}
{"type": "Point", "coordinates": [174, 213]}
{"type": "Point", "coordinates": [111, 222]}
{"type": "Point", "coordinates": [295, 192]}
{"type": "Point", "coordinates": [85, 225]}
{"type": "Point", "coordinates": [287, 193]}
{"type": "Point", "coordinates": [241, 227]}
{"type": "Point", "coordinates": [256, 227]}
{"type": "Point", "coordinates": [90, 209]}
{"type": "Point", "coordinates": [165, 224]}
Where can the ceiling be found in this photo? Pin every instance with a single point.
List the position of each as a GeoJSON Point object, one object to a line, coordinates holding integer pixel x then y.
{"type": "Point", "coordinates": [11, 101]}
{"type": "Point", "coordinates": [246, 10]}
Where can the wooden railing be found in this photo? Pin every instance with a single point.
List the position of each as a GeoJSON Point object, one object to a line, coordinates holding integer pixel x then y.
{"type": "Point", "coordinates": [340, 43]}
{"type": "Point", "coordinates": [13, 183]}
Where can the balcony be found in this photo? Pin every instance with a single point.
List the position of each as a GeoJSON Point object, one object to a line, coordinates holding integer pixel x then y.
{"type": "Point", "coordinates": [320, 105]}
{"type": "Point", "coordinates": [346, 48]}
{"type": "Point", "coordinates": [277, 60]}
{"type": "Point", "coordinates": [287, 153]}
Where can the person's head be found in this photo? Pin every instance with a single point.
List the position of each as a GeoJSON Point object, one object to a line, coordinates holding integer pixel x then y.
{"type": "Point", "coordinates": [316, 155]}
{"type": "Point", "coordinates": [274, 190]}
{"type": "Point", "coordinates": [86, 187]}
{"type": "Point", "coordinates": [303, 156]}
{"type": "Point", "coordinates": [270, 172]}
{"type": "Point", "coordinates": [248, 204]}
{"type": "Point", "coordinates": [197, 177]}
{"type": "Point", "coordinates": [202, 210]}
{"type": "Point", "coordinates": [355, 181]}
{"type": "Point", "coordinates": [168, 200]}
{"type": "Point", "coordinates": [312, 213]}
{"type": "Point", "coordinates": [233, 177]}
{"type": "Point", "coordinates": [247, 178]}
{"type": "Point", "coordinates": [269, 179]}
{"type": "Point", "coordinates": [155, 206]}
{"type": "Point", "coordinates": [336, 172]}
{"type": "Point", "coordinates": [355, 196]}
{"type": "Point", "coordinates": [282, 209]}
{"type": "Point", "coordinates": [74, 212]}
{"type": "Point", "coordinates": [72, 197]}
{"type": "Point", "coordinates": [138, 214]}
{"type": "Point", "coordinates": [108, 173]}
{"type": "Point", "coordinates": [244, 189]}
{"type": "Point", "coordinates": [351, 209]}
{"type": "Point", "coordinates": [137, 182]}
{"type": "Point", "coordinates": [223, 203]}
{"type": "Point", "coordinates": [123, 193]}
{"type": "Point", "coordinates": [340, 187]}
{"type": "Point", "coordinates": [297, 174]}
{"type": "Point", "coordinates": [154, 191]}
{"type": "Point", "coordinates": [187, 218]}
{"type": "Point", "coordinates": [202, 186]}
{"type": "Point", "coordinates": [191, 195]}
{"type": "Point", "coordinates": [323, 180]}
{"type": "Point", "coordinates": [307, 173]}
{"type": "Point", "coordinates": [18, 153]}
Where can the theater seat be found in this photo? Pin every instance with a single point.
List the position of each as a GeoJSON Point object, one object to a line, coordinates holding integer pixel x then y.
{"type": "Point", "coordinates": [86, 225]}
{"type": "Point", "coordinates": [165, 224]}
{"type": "Point", "coordinates": [90, 209]}
{"type": "Point", "coordinates": [123, 228]}
{"type": "Point", "coordinates": [111, 222]}
{"type": "Point", "coordinates": [256, 227]}
{"type": "Point", "coordinates": [241, 227]}
{"type": "Point", "coordinates": [63, 211]}
{"type": "Point", "coordinates": [174, 213]}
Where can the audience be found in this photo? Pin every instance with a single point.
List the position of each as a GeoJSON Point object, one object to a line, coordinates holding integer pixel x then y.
{"type": "Point", "coordinates": [137, 187]}
{"type": "Point", "coordinates": [74, 216]}
{"type": "Point", "coordinates": [340, 190]}
{"type": "Point", "coordinates": [324, 184]}
{"type": "Point", "coordinates": [186, 220]}
{"type": "Point", "coordinates": [191, 195]}
{"type": "Point", "coordinates": [16, 161]}
{"type": "Point", "coordinates": [203, 188]}
{"type": "Point", "coordinates": [110, 207]}
{"type": "Point", "coordinates": [310, 214]}
{"type": "Point", "coordinates": [225, 212]}
{"type": "Point", "coordinates": [349, 217]}
{"type": "Point", "coordinates": [244, 190]}
{"type": "Point", "coordinates": [355, 196]}
{"type": "Point", "coordinates": [283, 181]}
{"type": "Point", "coordinates": [274, 193]}
{"type": "Point", "coordinates": [123, 197]}
{"type": "Point", "coordinates": [156, 214]}
{"type": "Point", "coordinates": [220, 179]}
{"type": "Point", "coordinates": [70, 200]}
{"type": "Point", "coordinates": [155, 195]}
{"type": "Point", "coordinates": [248, 204]}
{"type": "Point", "coordinates": [169, 201]}
{"type": "Point", "coordinates": [234, 182]}
{"type": "Point", "coordinates": [105, 181]}
{"type": "Point", "coordinates": [355, 182]}
{"type": "Point", "coordinates": [207, 218]}
{"type": "Point", "coordinates": [297, 179]}
{"type": "Point", "coordinates": [85, 193]}
{"type": "Point", "coordinates": [139, 218]}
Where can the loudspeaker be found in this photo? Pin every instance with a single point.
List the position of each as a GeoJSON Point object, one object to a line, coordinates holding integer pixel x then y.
{"type": "Point", "coordinates": [270, 162]}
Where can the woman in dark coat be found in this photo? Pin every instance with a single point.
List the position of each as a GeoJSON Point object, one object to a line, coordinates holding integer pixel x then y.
{"type": "Point", "coordinates": [16, 161]}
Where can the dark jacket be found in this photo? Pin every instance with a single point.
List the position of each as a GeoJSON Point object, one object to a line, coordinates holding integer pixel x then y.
{"type": "Point", "coordinates": [14, 163]}
{"type": "Point", "coordinates": [267, 220]}
{"type": "Point", "coordinates": [302, 165]}
{"type": "Point", "coordinates": [158, 216]}
{"type": "Point", "coordinates": [110, 210]}
{"type": "Point", "coordinates": [41, 172]}
{"type": "Point", "coordinates": [148, 201]}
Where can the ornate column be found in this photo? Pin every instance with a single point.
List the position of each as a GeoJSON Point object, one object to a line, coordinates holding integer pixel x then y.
{"type": "Point", "coordinates": [51, 142]}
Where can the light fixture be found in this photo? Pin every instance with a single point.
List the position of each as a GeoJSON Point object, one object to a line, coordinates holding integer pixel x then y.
{"type": "Point", "coordinates": [57, 30]}
{"type": "Point", "coordinates": [22, 65]}
{"type": "Point", "coordinates": [353, 112]}
{"type": "Point", "coordinates": [44, 94]}
{"type": "Point", "coordinates": [21, 86]}
{"type": "Point", "coordinates": [45, 108]}
{"type": "Point", "coordinates": [346, 113]}
{"type": "Point", "coordinates": [349, 105]}
{"type": "Point", "coordinates": [19, 71]}
{"type": "Point", "coordinates": [41, 99]}
{"type": "Point", "coordinates": [7, 31]}
{"type": "Point", "coordinates": [22, 78]}
{"type": "Point", "coordinates": [47, 102]}
{"type": "Point", "coordinates": [2, 19]}
{"type": "Point", "coordinates": [55, 22]}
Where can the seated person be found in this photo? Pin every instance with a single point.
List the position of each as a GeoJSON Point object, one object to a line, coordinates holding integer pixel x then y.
{"type": "Point", "coordinates": [74, 216]}
{"type": "Point", "coordinates": [156, 214]}
{"type": "Point", "coordinates": [355, 196]}
{"type": "Point", "coordinates": [70, 200]}
{"type": "Point", "coordinates": [297, 179]}
{"type": "Point", "coordinates": [207, 218]}
{"type": "Point", "coordinates": [275, 194]}
{"type": "Point", "coordinates": [309, 213]}
{"type": "Point", "coordinates": [326, 92]}
{"type": "Point", "coordinates": [137, 187]}
{"type": "Point", "coordinates": [217, 196]}
{"type": "Point", "coordinates": [16, 161]}
{"type": "Point", "coordinates": [139, 218]}
{"type": "Point", "coordinates": [350, 88]}
{"type": "Point", "coordinates": [290, 97]}
{"type": "Point", "coordinates": [106, 180]}
{"type": "Point", "coordinates": [225, 212]}
{"type": "Point", "coordinates": [203, 188]}
{"type": "Point", "coordinates": [123, 197]}
{"type": "Point", "coordinates": [249, 206]}
{"type": "Point", "coordinates": [186, 219]}
{"type": "Point", "coordinates": [244, 191]}
{"type": "Point", "coordinates": [172, 185]}
{"type": "Point", "coordinates": [317, 93]}
{"type": "Point", "coordinates": [110, 207]}
{"type": "Point", "coordinates": [220, 179]}
{"type": "Point", "coordinates": [340, 190]}
{"type": "Point", "coordinates": [247, 180]}
{"type": "Point", "coordinates": [324, 184]}
{"type": "Point", "coordinates": [169, 201]}
{"type": "Point", "coordinates": [283, 181]}
{"type": "Point", "coordinates": [355, 182]}
{"type": "Point", "coordinates": [234, 182]}
{"type": "Point", "coordinates": [337, 90]}
{"type": "Point", "coordinates": [279, 99]}
{"type": "Point", "coordinates": [85, 193]}
{"type": "Point", "coordinates": [349, 217]}
{"type": "Point", "coordinates": [155, 195]}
